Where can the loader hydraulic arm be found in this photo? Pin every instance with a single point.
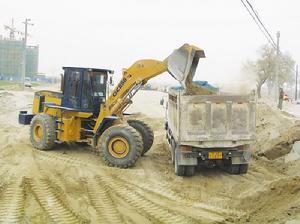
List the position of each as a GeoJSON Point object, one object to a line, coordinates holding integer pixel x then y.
{"type": "Point", "coordinates": [179, 64]}
{"type": "Point", "coordinates": [133, 78]}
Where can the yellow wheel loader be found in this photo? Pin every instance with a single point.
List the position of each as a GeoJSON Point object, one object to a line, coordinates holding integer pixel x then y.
{"type": "Point", "coordinates": [83, 111]}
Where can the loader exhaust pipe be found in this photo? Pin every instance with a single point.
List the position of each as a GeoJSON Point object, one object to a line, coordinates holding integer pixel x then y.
{"type": "Point", "coordinates": [182, 63]}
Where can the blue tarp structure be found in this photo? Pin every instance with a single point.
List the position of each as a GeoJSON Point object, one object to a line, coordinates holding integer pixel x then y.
{"type": "Point", "coordinates": [203, 84]}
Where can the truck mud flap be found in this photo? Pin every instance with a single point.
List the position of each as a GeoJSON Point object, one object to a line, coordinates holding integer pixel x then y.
{"type": "Point", "coordinates": [184, 160]}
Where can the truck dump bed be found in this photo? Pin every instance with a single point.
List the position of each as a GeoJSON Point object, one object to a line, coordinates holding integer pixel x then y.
{"type": "Point", "coordinates": [211, 121]}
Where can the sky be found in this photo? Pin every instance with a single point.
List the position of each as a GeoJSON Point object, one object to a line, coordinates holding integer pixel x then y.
{"type": "Point", "coordinates": [114, 34]}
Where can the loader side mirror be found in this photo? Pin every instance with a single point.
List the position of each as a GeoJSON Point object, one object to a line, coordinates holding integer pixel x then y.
{"type": "Point", "coordinates": [162, 101]}
{"type": "Point", "coordinates": [111, 82]}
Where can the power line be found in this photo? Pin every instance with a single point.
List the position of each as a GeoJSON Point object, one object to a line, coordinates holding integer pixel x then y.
{"type": "Point", "coordinates": [270, 40]}
{"type": "Point", "coordinates": [258, 18]}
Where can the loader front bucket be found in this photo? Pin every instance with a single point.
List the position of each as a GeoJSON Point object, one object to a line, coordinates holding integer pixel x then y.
{"type": "Point", "coordinates": [182, 63]}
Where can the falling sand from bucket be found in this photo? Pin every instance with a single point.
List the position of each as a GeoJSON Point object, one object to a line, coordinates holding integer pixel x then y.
{"type": "Point", "coordinates": [192, 89]}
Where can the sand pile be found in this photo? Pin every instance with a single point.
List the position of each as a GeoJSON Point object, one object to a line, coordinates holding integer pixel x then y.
{"type": "Point", "coordinates": [275, 202]}
{"type": "Point", "coordinates": [276, 132]}
{"type": "Point", "coordinates": [4, 94]}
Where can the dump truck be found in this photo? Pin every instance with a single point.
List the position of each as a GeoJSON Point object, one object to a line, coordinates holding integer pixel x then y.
{"type": "Point", "coordinates": [83, 111]}
{"type": "Point", "coordinates": [211, 130]}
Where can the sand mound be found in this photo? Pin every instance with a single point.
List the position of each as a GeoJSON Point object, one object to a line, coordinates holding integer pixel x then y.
{"type": "Point", "coordinates": [267, 203]}
{"type": "Point", "coordinates": [276, 132]}
{"type": "Point", "coordinates": [4, 94]}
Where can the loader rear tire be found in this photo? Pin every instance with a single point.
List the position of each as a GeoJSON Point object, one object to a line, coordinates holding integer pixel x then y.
{"type": "Point", "coordinates": [122, 145]}
{"type": "Point", "coordinates": [146, 133]}
{"type": "Point", "coordinates": [42, 131]}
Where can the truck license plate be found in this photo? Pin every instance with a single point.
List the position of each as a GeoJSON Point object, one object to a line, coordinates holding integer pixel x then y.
{"type": "Point", "coordinates": [215, 155]}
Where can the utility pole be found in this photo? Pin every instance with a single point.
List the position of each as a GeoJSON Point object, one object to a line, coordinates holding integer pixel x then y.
{"type": "Point", "coordinates": [278, 89]}
{"type": "Point", "coordinates": [296, 87]}
{"type": "Point", "coordinates": [26, 22]}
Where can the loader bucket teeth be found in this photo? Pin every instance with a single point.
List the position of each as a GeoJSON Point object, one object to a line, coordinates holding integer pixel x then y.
{"type": "Point", "coordinates": [183, 62]}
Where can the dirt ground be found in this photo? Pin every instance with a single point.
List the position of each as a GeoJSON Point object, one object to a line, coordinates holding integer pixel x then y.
{"type": "Point", "coordinates": [70, 184]}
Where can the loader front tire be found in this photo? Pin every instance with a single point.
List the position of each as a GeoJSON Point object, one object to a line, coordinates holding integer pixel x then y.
{"type": "Point", "coordinates": [42, 131]}
{"type": "Point", "coordinates": [122, 145]}
{"type": "Point", "coordinates": [146, 133]}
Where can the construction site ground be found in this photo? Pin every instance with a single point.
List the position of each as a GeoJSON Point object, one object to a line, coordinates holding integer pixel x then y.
{"type": "Point", "coordinates": [71, 184]}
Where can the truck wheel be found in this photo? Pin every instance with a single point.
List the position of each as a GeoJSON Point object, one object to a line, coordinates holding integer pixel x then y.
{"type": "Point", "coordinates": [146, 133]}
{"type": "Point", "coordinates": [244, 168]}
{"type": "Point", "coordinates": [179, 169]}
{"type": "Point", "coordinates": [233, 168]}
{"type": "Point", "coordinates": [173, 145]}
{"type": "Point", "coordinates": [42, 131]}
{"type": "Point", "coordinates": [122, 145]}
{"type": "Point", "coordinates": [190, 171]}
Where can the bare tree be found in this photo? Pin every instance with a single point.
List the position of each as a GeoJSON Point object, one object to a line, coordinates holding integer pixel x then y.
{"type": "Point", "coordinates": [286, 69]}
{"type": "Point", "coordinates": [265, 68]}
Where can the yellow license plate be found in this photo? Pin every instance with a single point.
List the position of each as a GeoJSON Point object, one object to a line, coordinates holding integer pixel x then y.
{"type": "Point", "coordinates": [215, 155]}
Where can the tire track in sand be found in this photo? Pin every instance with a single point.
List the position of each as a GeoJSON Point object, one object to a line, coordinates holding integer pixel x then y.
{"type": "Point", "coordinates": [128, 192]}
{"type": "Point", "coordinates": [102, 202]}
{"type": "Point", "coordinates": [98, 194]}
{"type": "Point", "coordinates": [155, 212]}
{"type": "Point", "coordinates": [12, 203]}
{"type": "Point", "coordinates": [203, 210]}
{"type": "Point", "coordinates": [59, 157]}
{"type": "Point", "coordinates": [56, 209]}
{"type": "Point", "coordinates": [50, 181]}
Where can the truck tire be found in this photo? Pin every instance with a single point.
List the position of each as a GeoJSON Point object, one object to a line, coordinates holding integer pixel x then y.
{"type": "Point", "coordinates": [122, 145]}
{"type": "Point", "coordinates": [42, 131]}
{"type": "Point", "coordinates": [146, 133]}
{"type": "Point", "coordinates": [233, 168]}
{"type": "Point", "coordinates": [173, 146]}
{"type": "Point", "coordinates": [179, 169]}
{"type": "Point", "coordinates": [190, 171]}
{"type": "Point", "coordinates": [244, 168]}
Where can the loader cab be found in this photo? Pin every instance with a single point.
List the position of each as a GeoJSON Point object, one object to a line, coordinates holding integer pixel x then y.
{"type": "Point", "coordinates": [84, 89]}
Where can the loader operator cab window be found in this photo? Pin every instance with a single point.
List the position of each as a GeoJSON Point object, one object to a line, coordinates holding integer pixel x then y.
{"type": "Point", "coordinates": [98, 84]}
{"type": "Point", "coordinates": [72, 89]}
{"type": "Point", "coordinates": [84, 88]}
{"type": "Point", "coordinates": [75, 82]}
{"type": "Point", "coordinates": [93, 90]}
{"type": "Point", "coordinates": [87, 98]}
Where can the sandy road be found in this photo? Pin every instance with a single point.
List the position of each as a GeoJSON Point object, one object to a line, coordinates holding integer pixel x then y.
{"type": "Point", "coordinates": [70, 184]}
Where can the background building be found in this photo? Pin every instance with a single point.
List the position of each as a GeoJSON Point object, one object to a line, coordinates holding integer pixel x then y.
{"type": "Point", "coordinates": [11, 53]}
